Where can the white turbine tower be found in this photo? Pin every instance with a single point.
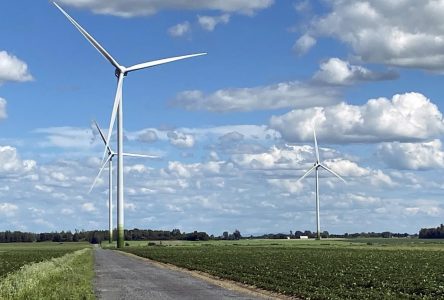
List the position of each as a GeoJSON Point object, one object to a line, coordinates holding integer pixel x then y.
{"type": "Point", "coordinates": [109, 161]}
{"type": "Point", "coordinates": [120, 72]}
{"type": "Point", "coordinates": [316, 167]}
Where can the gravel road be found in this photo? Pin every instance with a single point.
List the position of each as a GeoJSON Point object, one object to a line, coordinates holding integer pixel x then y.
{"type": "Point", "coordinates": [119, 276]}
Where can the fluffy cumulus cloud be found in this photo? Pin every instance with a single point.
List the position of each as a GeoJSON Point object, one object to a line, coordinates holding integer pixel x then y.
{"type": "Point", "coordinates": [347, 168]}
{"type": "Point", "coordinates": [12, 165]}
{"type": "Point", "coordinates": [292, 94]}
{"type": "Point", "coordinates": [274, 158]}
{"type": "Point", "coordinates": [3, 114]}
{"type": "Point", "coordinates": [149, 7]}
{"type": "Point", "coordinates": [180, 139]}
{"type": "Point", "coordinates": [406, 117]}
{"type": "Point", "coordinates": [13, 69]}
{"type": "Point", "coordinates": [304, 44]}
{"type": "Point", "coordinates": [338, 72]}
{"type": "Point", "coordinates": [406, 33]}
{"type": "Point", "coordinates": [209, 23]}
{"type": "Point", "coordinates": [412, 156]}
{"type": "Point", "coordinates": [180, 29]}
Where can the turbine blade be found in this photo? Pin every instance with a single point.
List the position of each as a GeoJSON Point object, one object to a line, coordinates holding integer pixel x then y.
{"type": "Point", "coordinates": [114, 112]}
{"type": "Point", "coordinates": [308, 172]}
{"type": "Point", "coordinates": [103, 137]}
{"type": "Point", "coordinates": [100, 172]}
{"type": "Point", "coordinates": [331, 171]}
{"type": "Point", "coordinates": [160, 62]}
{"type": "Point", "coordinates": [316, 145]}
{"type": "Point", "coordinates": [90, 38]}
{"type": "Point", "coordinates": [140, 155]}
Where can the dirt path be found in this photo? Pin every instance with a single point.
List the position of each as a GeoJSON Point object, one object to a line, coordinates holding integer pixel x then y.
{"type": "Point", "coordinates": [119, 276]}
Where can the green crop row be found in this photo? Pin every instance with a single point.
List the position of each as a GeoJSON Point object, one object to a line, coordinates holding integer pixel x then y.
{"type": "Point", "coordinates": [316, 273]}
{"type": "Point", "coordinates": [66, 277]}
{"type": "Point", "coordinates": [14, 256]}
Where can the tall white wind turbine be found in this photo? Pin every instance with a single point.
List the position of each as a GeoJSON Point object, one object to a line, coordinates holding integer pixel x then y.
{"type": "Point", "coordinates": [109, 161]}
{"type": "Point", "coordinates": [120, 73]}
{"type": "Point", "coordinates": [316, 167]}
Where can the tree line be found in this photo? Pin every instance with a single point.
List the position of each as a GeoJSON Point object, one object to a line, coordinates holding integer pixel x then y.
{"type": "Point", "coordinates": [97, 236]}
{"type": "Point", "coordinates": [432, 233]}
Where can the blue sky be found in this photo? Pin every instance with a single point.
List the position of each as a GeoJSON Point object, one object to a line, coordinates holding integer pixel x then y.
{"type": "Point", "coordinates": [367, 73]}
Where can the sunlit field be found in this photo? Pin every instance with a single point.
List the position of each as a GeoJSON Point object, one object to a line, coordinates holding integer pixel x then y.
{"type": "Point", "coordinates": [15, 255]}
{"type": "Point", "coordinates": [46, 271]}
{"type": "Point", "coordinates": [326, 269]}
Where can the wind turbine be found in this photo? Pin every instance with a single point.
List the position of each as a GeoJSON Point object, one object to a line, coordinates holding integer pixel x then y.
{"type": "Point", "coordinates": [316, 167]}
{"type": "Point", "coordinates": [109, 161]}
{"type": "Point", "coordinates": [120, 72]}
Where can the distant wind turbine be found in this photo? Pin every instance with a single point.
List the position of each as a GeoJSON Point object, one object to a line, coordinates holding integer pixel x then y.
{"type": "Point", "coordinates": [316, 167]}
{"type": "Point", "coordinates": [120, 73]}
{"type": "Point", "coordinates": [109, 161]}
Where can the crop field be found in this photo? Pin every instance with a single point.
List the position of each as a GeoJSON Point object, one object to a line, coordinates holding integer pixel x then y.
{"type": "Point", "coordinates": [15, 255]}
{"type": "Point", "coordinates": [327, 269]}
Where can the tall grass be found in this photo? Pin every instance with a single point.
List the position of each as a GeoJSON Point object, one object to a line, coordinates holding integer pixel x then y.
{"type": "Point", "coordinates": [66, 277]}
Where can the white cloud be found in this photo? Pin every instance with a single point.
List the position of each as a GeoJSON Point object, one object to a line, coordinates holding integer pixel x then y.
{"type": "Point", "coordinates": [405, 33]}
{"type": "Point", "coordinates": [338, 72]}
{"type": "Point", "coordinates": [88, 207]}
{"type": "Point", "coordinates": [292, 94]}
{"type": "Point", "coordinates": [380, 179]}
{"type": "Point", "coordinates": [412, 156]}
{"type": "Point", "coordinates": [130, 206]}
{"type": "Point", "coordinates": [426, 208]}
{"type": "Point", "coordinates": [67, 211]}
{"type": "Point", "coordinates": [231, 137]}
{"type": "Point", "coordinates": [275, 158]}
{"type": "Point", "coordinates": [43, 188]}
{"type": "Point", "coordinates": [13, 69]}
{"type": "Point", "coordinates": [148, 136]}
{"type": "Point", "coordinates": [405, 117]}
{"type": "Point", "coordinates": [12, 165]}
{"type": "Point", "coordinates": [209, 23]}
{"type": "Point", "coordinates": [346, 167]}
{"type": "Point", "coordinates": [180, 29]}
{"type": "Point", "coordinates": [67, 137]}
{"type": "Point", "coordinates": [59, 176]}
{"type": "Point", "coordinates": [43, 222]}
{"type": "Point", "coordinates": [180, 139]}
{"type": "Point", "coordinates": [137, 169]}
{"type": "Point", "coordinates": [195, 170]}
{"type": "Point", "coordinates": [304, 44]}
{"type": "Point", "coordinates": [8, 209]}
{"type": "Point", "coordinates": [149, 7]}
{"type": "Point", "coordinates": [292, 186]}
{"type": "Point", "coordinates": [3, 114]}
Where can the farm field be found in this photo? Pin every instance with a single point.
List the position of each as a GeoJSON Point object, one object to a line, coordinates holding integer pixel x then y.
{"type": "Point", "coordinates": [327, 269]}
{"type": "Point", "coordinates": [15, 255]}
{"type": "Point", "coordinates": [46, 271]}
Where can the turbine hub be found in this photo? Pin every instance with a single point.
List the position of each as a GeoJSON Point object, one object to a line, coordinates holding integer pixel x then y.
{"type": "Point", "coordinates": [119, 70]}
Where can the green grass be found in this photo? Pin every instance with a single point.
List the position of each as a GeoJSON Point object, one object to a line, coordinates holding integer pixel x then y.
{"type": "Point", "coordinates": [15, 255]}
{"type": "Point", "coordinates": [326, 269]}
{"type": "Point", "coordinates": [66, 277]}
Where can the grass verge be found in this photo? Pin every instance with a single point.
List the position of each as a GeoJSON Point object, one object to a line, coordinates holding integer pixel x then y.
{"type": "Point", "coordinates": [66, 277]}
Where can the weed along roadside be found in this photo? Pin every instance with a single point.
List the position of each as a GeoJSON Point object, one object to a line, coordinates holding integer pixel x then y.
{"type": "Point", "coordinates": [65, 277]}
